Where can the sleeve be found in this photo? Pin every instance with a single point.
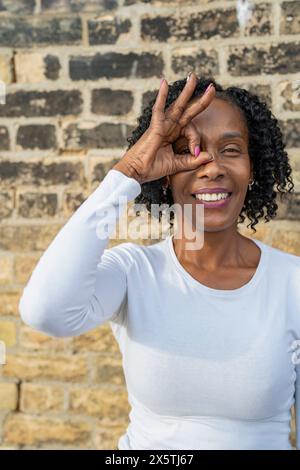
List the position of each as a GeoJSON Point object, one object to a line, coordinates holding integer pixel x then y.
{"type": "Point", "coordinates": [78, 283]}
{"type": "Point", "coordinates": [297, 407]}
{"type": "Point", "coordinates": [294, 309]}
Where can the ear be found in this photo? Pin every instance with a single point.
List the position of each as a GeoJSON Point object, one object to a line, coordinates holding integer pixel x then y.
{"type": "Point", "coordinates": [166, 181]}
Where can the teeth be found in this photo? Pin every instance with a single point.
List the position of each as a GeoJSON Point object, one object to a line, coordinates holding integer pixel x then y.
{"type": "Point", "coordinates": [212, 197]}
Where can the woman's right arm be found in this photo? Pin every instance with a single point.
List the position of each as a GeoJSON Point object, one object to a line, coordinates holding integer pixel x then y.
{"type": "Point", "coordinates": [77, 284]}
{"type": "Point", "coordinates": [68, 293]}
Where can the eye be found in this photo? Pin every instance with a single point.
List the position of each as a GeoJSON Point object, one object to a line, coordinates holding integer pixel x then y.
{"type": "Point", "coordinates": [231, 149]}
{"type": "Point", "coordinates": [184, 151]}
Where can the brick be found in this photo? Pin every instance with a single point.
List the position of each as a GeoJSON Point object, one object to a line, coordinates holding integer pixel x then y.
{"type": "Point", "coordinates": [261, 21]}
{"type": "Point", "coordinates": [216, 23]}
{"type": "Point", "coordinates": [290, 130]}
{"type": "Point", "coordinates": [289, 207]}
{"type": "Point", "coordinates": [290, 18]}
{"type": "Point", "coordinates": [42, 103]}
{"type": "Point", "coordinates": [35, 205]}
{"type": "Point", "coordinates": [287, 240]}
{"type": "Point", "coordinates": [29, 367]}
{"type": "Point", "coordinates": [279, 58]}
{"type": "Point", "coordinates": [147, 97]}
{"type": "Point", "coordinates": [29, 67]}
{"type": "Point", "coordinates": [290, 95]}
{"type": "Point", "coordinates": [8, 333]}
{"type": "Point", "coordinates": [66, 6]}
{"type": "Point", "coordinates": [39, 397]}
{"type": "Point", "coordinates": [263, 232]}
{"type": "Point", "coordinates": [24, 237]}
{"type": "Point", "coordinates": [72, 200]}
{"type": "Point", "coordinates": [99, 170]}
{"type": "Point", "coordinates": [6, 204]}
{"type": "Point", "coordinates": [4, 138]}
{"type": "Point", "coordinates": [263, 91]}
{"type": "Point", "coordinates": [6, 68]}
{"type": "Point", "coordinates": [294, 160]}
{"type": "Point", "coordinates": [103, 136]}
{"type": "Point", "coordinates": [6, 269]}
{"type": "Point", "coordinates": [203, 62]}
{"type": "Point", "coordinates": [106, 437]}
{"type": "Point", "coordinates": [34, 430]}
{"type": "Point", "coordinates": [171, 2]}
{"type": "Point", "coordinates": [9, 303]}
{"type": "Point", "coordinates": [24, 265]}
{"type": "Point", "coordinates": [100, 403]}
{"type": "Point", "coordinates": [108, 31]}
{"type": "Point", "coordinates": [36, 341]}
{"type": "Point", "coordinates": [17, 7]}
{"type": "Point", "coordinates": [8, 396]}
{"type": "Point", "coordinates": [158, 28]}
{"type": "Point", "coordinates": [17, 32]}
{"type": "Point", "coordinates": [116, 65]}
{"type": "Point", "coordinates": [109, 370]}
{"type": "Point", "coordinates": [34, 67]}
{"type": "Point", "coordinates": [52, 67]}
{"type": "Point", "coordinates": [15, 173]}
{"type": "Point", "coordinates": [37, 136]}
{"type": "Point", "coordinates": [296, 180]}
{"type": "Point", "coordinates": [99, 339]}
{"type": "Point", "coordinates": [111, 102]}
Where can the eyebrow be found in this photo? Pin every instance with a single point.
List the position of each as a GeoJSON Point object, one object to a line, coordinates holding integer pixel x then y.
{"type": "Point", "coordinates": [231, 134]}
{"type": "Point", "coordinates": [226, 135]}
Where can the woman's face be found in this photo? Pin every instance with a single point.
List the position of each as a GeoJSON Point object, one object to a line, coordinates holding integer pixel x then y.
{"type": "Point", "coordinates": [231, 167]}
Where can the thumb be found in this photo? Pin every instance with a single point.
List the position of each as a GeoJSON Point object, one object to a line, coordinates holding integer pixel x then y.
{"type": "Point", "coordinates": [183, 162]}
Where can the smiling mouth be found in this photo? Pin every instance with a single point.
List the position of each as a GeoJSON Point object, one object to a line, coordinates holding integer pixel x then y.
{"type": "Point", "coordinates": [214, 200]}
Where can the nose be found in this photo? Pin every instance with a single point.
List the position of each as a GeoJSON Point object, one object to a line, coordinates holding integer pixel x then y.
{"type": "Point", "coordinates": [211, 169]}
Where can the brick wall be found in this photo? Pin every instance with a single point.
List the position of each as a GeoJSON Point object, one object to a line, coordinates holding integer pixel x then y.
{"type": "Point", "coordinates": [78, 73]}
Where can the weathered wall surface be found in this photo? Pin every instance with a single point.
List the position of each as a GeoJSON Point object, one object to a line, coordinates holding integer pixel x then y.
{"type": "Point", "coordinates": [77, 75]}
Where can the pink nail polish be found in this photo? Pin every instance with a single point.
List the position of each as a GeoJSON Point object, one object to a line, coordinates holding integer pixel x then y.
{"type": "Point", "coordinates": [208, 88]}
{"type": "Point", "coordinates": [197, 151]}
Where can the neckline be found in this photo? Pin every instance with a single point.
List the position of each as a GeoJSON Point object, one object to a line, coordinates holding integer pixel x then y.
{"type": "Point", "coordinates": [223, 292]}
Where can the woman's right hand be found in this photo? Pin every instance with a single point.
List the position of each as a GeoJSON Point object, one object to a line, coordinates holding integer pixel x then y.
{"type": "Point", "coordinates": [152, 156]}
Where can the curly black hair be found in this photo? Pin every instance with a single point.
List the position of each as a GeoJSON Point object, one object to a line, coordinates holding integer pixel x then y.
{"type": "Point", "coordinates": [266, 150]}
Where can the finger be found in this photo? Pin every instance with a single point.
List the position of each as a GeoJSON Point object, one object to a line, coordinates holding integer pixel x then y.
{"type": "Point", "coordinates": [199, 105]}
{"type": "Point", "coordinates": [178, 106]}
{"type": "Point", "coordinates": [189, 162]}
{"type": "Point", "coordinates": [160, 102]}
{"type": "Point", "coordinates": [191, 134]}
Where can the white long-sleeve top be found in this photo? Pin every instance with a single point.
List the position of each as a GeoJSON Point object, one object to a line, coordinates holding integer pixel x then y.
{"type": "Point", "coordinates": [204, 368]}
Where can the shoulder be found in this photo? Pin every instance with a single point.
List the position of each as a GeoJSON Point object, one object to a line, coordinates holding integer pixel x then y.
{"type": "Point", "coordinates": [284, 269]}
{"type": "Point", "coordinates": [284, 281]}
{"type": "Point", "coordinates": [129, 253]}
{"type": "Point", "coordinates": [285, 259]}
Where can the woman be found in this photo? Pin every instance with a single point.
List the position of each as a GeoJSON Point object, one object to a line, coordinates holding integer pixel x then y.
{"type": "Point", "coordinates": [207, 335]}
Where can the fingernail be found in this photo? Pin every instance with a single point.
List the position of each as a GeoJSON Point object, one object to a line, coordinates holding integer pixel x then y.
{"type": "Point", "coordinates": [197, 150]}
{"type": "Point", "coordinates": [161, 82]}
{"type": "Point", "coordinates": [208, 88]}
{"type": "Point", "coordinates": [188, 76]}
